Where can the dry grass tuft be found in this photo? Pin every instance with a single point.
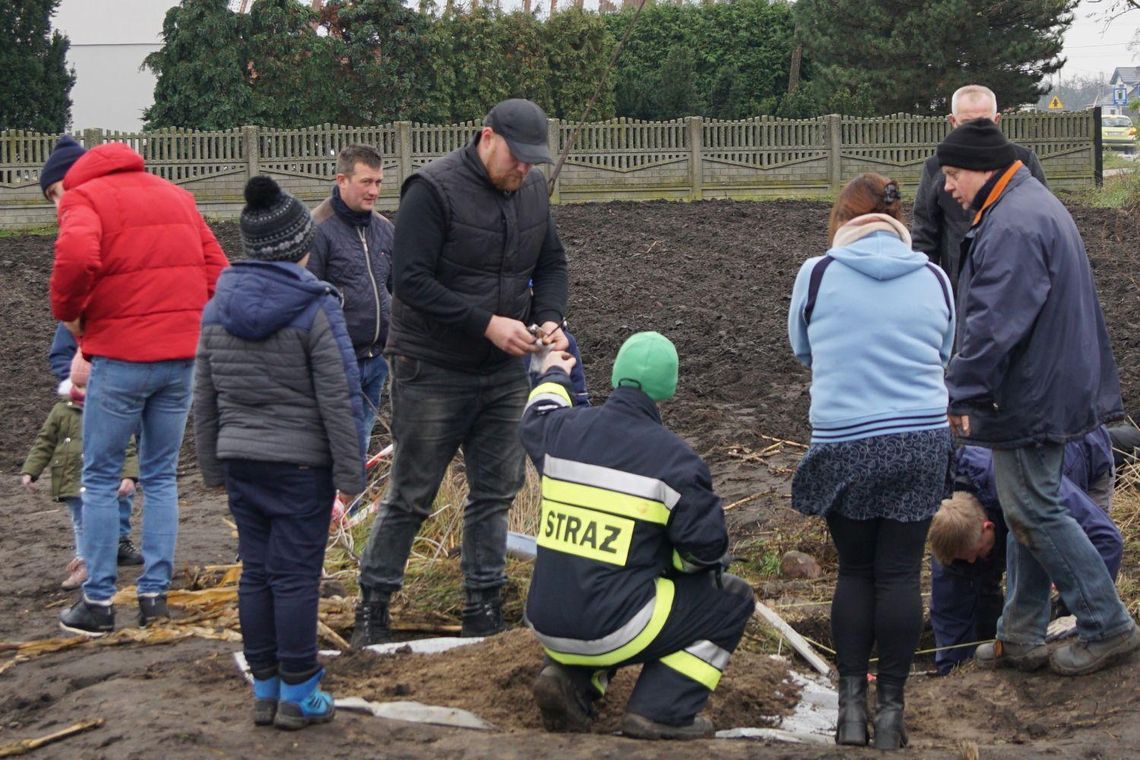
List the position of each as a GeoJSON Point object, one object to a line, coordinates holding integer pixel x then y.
{"type": "Point", "coordinates": [1126, 515]}
{"type": "Point", "coordinates": [433, 593]}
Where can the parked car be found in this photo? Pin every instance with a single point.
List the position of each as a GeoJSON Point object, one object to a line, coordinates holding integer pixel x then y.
{"type": "Point", "coordinates": [1118, 133]}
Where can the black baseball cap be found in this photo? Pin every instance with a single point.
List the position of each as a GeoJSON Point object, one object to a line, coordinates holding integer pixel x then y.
{"type": "Point", "coordinates": [523, 125]}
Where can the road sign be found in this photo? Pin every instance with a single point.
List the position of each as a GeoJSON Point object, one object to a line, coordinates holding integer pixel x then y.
{"type": "Point", "coordinates": [1055, 104]}
{"type": "Point", "coordinates": [1120, 96]}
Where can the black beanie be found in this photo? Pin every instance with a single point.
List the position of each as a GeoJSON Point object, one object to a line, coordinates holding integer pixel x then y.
{"type": "Point", "coordinates": [275, 226]}
{"type": "Point", "coordinates": [65, 153]}
{"type": "Point", "coordinates": [978, 145]}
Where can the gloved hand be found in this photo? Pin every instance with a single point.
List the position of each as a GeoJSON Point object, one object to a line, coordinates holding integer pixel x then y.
{"type": "Point", "coordinates": [721, 567]}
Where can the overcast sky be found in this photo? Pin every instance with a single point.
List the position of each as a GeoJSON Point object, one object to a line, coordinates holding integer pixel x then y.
{"type": "Point", "coordinates": [1091, 49]}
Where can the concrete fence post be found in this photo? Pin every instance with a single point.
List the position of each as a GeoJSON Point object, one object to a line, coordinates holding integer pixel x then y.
{"type": "Point", "coordinates": [835, 151]}
{"type": "Point", "coordinates": [554, 145]}
{"type": "Point", "coordinates": [249, 135]}
{"type": "Point", "coordinates": [92, 137]}
{"type": "Point", "coordinates": [695, 126]}
{"type": "Point", "coordinates": [404, 150]}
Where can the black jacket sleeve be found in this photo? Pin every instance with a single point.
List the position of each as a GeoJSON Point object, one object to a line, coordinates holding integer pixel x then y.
{"type": "Point", "coordinates": [926, 225]}
{"type": "Point", "coordinates": [696, 525]}
{"type": "Point", "coordinates": [553, 391]}
{"type": "Point", "coordinates": [550, 286]}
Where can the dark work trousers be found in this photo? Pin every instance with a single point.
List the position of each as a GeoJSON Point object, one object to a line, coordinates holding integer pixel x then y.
{"type": "Point", "coordinates": [702, 614]}
{"type": "Point", "coordinates": [877, 597]}
{"type": "Point", "coordinates": [435, 412]}
{"type": "Point", "coordinates": [282, 513]}
{"type": "Point", "coordinates": [965, 604]}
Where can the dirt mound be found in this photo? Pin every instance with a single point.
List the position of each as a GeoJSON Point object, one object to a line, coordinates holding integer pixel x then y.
{"type": "Point", "coordinates": [493, 678]}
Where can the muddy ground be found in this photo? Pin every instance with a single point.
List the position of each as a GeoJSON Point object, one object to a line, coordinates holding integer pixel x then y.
{"type": "Point", "coordinates": [715, 277]}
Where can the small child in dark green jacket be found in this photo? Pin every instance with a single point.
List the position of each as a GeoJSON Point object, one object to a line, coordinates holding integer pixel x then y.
{"type": "Point", "coordinates": [60, 446]}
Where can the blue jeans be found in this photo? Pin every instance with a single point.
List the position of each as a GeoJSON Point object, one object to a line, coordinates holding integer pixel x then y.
{"type": "Point", "coordinates": [373, 373]}
{"type": "Point", "coordinates": [75, 506]}
{"type": "Point", "coordinates": [435, 412]}
{"type": "Point", "coordinates": [151, 399]}
{"type": "Point", "coordinates": [282, 513]}
{"type": "Point", "coordinates": [125, 506]}
{"type": "Point", "coordinates": [1046, 544]}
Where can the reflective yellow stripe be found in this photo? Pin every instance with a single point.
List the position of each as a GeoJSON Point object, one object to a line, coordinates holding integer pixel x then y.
{"type": "Point", "coordinates": [604, 500]}
{"type": "Point", "coordinates": [681, 565]}
{"type": "Point", "coordinates": [693, 667]}
{"type": "Point", "coordinates": [549, 389]}
{"type": "Point", "coordinates": [662, 604]}
{"type": "Point", "coordinates": [584, 533]}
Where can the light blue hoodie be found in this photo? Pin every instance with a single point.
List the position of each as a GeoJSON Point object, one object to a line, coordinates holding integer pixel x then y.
{"type": "Point", "coordinates": [880, 334]}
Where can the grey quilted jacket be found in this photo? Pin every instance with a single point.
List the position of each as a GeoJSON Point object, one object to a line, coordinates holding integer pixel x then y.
{"type": "Point", "coordinates": [276, 379]}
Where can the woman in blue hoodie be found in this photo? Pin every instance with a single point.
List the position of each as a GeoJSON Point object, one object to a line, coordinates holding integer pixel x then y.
{"type": "Point", "coordinates": [875, 323]}
{"type": "Point", "coordinates": [279, 421]}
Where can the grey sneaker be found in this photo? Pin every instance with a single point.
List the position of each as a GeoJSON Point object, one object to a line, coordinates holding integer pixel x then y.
{"type": "Point", "coordinates": [1082, 657]}
{"type": "Point", "coordinates": [1003, 654]}
{"type": "Point", "coordinates": [563, 708]}
{"type": "Point", "coordinates": [152, 609]}
{"type": "Point", "coordinates": [88, 618]}
{"type": "Point", "coordinates": [639, 727]}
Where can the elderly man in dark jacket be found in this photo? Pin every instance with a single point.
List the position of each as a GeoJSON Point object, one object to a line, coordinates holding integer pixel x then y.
{"type": "Point", "coordinates": [474, 229]}
{"type": "Point", "coordinates": [939, 223]}
{"type": "Point", "coordinates": [352, 249]}
{"type": "Point", "coordinates": [1026, 288]}
{"type": "Point", "coordinates": [277, 417]}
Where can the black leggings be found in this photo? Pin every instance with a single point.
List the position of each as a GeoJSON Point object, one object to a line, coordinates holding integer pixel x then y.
{"type": "Point", "coordinates": [877, 597]}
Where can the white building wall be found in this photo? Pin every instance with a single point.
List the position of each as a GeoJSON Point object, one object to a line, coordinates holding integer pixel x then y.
{"type": "Point", "coordinates": [109, 40]}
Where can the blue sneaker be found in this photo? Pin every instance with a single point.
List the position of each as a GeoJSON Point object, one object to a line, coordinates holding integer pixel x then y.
{"type": "Point", "coordinates": [266, 692]}
{"type": "Point", "coordinates": [301, 704]}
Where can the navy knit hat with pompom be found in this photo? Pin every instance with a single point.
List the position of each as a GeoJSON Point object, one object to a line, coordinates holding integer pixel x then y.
{"type": "Point", "coordinates": [275, 226]}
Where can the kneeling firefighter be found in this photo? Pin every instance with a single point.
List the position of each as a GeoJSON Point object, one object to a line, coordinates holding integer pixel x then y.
{"type": "Point", "coordinates": [631, 544]}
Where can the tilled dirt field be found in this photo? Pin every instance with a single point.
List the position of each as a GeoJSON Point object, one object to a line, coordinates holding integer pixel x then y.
{"type": "Point", "coordinates": [713, 276]}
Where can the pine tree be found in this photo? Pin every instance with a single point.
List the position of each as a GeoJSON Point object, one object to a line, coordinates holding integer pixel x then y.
{"type": "Point", "coordinates": [200, 69]}
{"type": "Point", "coordinates": [35, 87]}
{"type": "Point", "coordinates": [911, 56]}
{"type": "Point", "coordinates": [289, 67]}
{"type": "Point", "coordinates": [385, 66]}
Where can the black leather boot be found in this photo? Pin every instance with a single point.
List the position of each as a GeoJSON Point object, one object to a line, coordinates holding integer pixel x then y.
{"type": "Point", "coordinates": [483, 613]}
{"type": "Point", "coordinates": [371, 619]}
{"type": "Point", "coordinates": [851, 728]}
{"type": "Point", "coordinates": [890, 728]}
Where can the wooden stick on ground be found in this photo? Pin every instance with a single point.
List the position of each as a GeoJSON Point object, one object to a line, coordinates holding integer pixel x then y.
{"type": "Point", "coordinates": [27, 745]}
{"type": "Point", "coordinates": [332, 636]}
{"type": "Point", "coordinates": [781, 440]}
{"type": "Point", "coordinates": [797, 641]}
{"type": "Point", "coordinates": [745, 500]}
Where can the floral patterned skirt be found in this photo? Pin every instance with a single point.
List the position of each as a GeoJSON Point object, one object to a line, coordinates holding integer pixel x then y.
{"type": "Point", "coordinates": [903, 477]}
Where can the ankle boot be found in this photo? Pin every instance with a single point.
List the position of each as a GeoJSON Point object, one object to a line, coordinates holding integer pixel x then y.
{"type": "Point", "coordinates": [302, 702]}
{"type": "Point", "coordinates": [266, 691]}
{"type": "Point", "coordinates": [851, 728]}
{"type": "Point", "coordinates": [890, 728]}
{"type": "Point", "coordinates": [371, 619]}
{"type": "Point", "coordinates": [483, 613]}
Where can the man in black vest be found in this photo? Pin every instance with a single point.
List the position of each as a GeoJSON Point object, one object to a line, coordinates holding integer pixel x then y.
{"type": "Point", "coordinates": [474, 229]}
{"type": "Point", "coordinates": [940, 223]}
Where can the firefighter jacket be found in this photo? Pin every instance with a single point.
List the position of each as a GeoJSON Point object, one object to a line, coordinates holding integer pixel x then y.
{"type": "Point", "coordinates": [625, 504]}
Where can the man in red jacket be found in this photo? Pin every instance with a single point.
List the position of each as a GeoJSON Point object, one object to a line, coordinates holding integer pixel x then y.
{"type": "Point", "coordinates": [135, 264]}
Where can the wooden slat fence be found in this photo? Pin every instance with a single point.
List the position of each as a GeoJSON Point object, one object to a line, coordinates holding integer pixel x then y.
{"type": "Point", "coordinates": [622, 158]}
